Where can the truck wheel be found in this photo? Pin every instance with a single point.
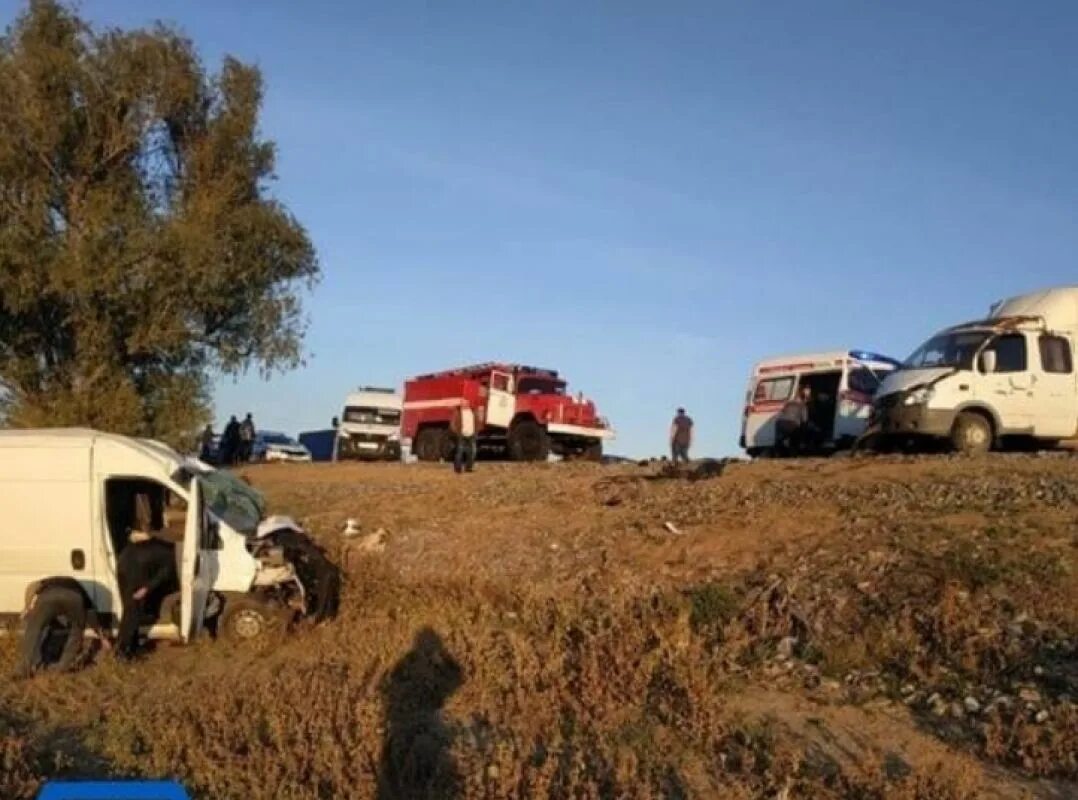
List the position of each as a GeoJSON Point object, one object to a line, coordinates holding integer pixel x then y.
{"type": "Point", "coordinates": [971, 434]}
{"type": "Point", "coordinates": [430, 444]}
{"type": "Point", "coordinates": [248, 620]}
{"type": "Point", "coordinates": [528, 441]}
{"type": "Point", "coordinates": [53, 634]}
{"type": "Point", "coordinates": [594, 452]}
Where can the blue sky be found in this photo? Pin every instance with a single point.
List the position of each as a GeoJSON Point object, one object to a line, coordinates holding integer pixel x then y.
{"type": "Point", "coordinates": [649, 197]}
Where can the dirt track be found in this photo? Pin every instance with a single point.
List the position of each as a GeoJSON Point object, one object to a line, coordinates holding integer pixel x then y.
{"type": "Point", "coordinates": [845, 628]}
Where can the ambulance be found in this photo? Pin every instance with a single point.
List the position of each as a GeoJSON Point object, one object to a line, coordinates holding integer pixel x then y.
{"type": "Point", "coordinates": [843, 383]}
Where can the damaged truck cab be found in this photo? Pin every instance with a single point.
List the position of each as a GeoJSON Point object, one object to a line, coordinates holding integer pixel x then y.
{"type": "Point", "coordinates": [981, 385]}
{"type": "Point", "coordinates": [73, 497]}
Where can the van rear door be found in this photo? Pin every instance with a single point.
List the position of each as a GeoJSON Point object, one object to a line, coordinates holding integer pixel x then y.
{"type": "Point", "coordinates": [194, 574]}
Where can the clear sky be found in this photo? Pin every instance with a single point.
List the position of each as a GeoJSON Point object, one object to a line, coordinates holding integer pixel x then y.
{"type": "Point", "coordinates": [649, 196]}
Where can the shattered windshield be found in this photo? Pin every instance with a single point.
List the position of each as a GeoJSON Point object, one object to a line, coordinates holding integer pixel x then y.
{"type": "Point", "coordinates": [229, 499]}
{"type": "Point", "coordinates": [956, 349]}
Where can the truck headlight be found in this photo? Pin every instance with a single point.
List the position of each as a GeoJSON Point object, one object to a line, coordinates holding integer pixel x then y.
{"type": "Point", "coordinates": [918, 397]}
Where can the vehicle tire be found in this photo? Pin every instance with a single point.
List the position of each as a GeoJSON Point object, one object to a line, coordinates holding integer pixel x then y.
{"type": "Point", "coordinates": [971, 434]}
{"type": "Point", "coordinates": [54, 630]}
{"type": "Point", "coordinates": [247, 619]}
{"type": "Point", "coordinates": [528, 441]}
{"type": "Point", "coordinates": [593, 452]}
{"type": "Point", "coordinates": [430, 444]}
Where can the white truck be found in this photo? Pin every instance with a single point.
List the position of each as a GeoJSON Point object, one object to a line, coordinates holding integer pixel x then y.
{"type": "Point", "coordinates": [1008, 378]}
{"type": "Point", "coordinates": [70, 500]}
{"type": "Point", "coordinates": [843, 384]}
{"type": "Point", "coordinates": [369, 428]}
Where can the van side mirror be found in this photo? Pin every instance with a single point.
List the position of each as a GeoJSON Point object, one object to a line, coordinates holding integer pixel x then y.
{"type": "Point", "coordinates": [988, 362]}
{"type": "Point", "coordinates": [334, 422]}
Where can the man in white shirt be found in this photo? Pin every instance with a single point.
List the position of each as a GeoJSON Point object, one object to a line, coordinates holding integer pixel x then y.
{"type": "Point", "coordinates": [464, 427]}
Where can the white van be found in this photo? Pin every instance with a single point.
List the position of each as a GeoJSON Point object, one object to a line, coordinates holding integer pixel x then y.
{"type": "Point", "coordinates": [843, 384]}
{"type": "Point", "coordinates": [69, 501]}
{"type": "Point", "coordinates": [370, 426]}
{"type": "Point", "coordinates": [983, 384]}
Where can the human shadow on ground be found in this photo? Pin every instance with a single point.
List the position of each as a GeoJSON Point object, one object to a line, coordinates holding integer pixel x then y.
{"type": "Point", "coordinates": [416, 760]}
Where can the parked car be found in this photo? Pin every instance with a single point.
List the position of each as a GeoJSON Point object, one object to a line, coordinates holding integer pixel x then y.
{"type": "Point", "coordinates": [274, 446]}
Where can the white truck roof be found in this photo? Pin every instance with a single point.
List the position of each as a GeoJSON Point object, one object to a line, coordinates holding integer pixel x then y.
{"type": "Point", "coordinates": [1058, 307]}
{"type": "Point", "coordinates": [375, 398]}
{"type": "Point", "coordinates": [828, 359]}
{"type": "Point", "coordinates": [165, 457]}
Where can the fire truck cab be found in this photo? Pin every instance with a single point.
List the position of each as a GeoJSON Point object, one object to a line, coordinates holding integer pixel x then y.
{"type": "Point", "coordinates": [843, 385]}
{"type": "Point", "coordinates": [523, 413]}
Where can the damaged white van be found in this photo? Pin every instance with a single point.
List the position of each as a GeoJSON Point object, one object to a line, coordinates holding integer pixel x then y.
{"type": "Point", "coordinates": [1007, 379]}
{"type": "Point", "coordinates": [70, 497]}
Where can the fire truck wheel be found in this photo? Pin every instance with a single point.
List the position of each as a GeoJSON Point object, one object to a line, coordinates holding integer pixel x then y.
{"type": "Point", "coordinates": [528, 441]}
{"type": "Point", "coordinates": [430, 444]}
{"type": "Point", "coordinates": [594, 452]}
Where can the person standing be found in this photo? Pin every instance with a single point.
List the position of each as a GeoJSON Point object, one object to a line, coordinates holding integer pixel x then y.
{"type": "Point", "coordinates": [792, 423]}
{"type": "Point", "coordinates": [230, 442]}
{"type": "Point", "coordinates": [205, 445]}
{"type": "Point", "coordinates": [680, 437]}
{"type": "Point", "coordinates": [247, 438]}
{"type": "Point", "coordinates": [463, 428]}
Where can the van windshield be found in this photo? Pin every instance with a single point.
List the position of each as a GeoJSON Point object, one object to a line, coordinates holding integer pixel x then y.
{"type": "Point", "coordinates": [366, 415]}
{"type": "Point", "coordinates": [229, 499]}
{"type": "Point", "coordinates": [956, 349]}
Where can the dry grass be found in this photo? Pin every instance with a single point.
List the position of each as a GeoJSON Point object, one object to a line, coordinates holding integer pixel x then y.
{"type": "Point", "coordinates": [524, 637]}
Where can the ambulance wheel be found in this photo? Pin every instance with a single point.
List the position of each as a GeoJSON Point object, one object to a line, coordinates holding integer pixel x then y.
{"type": "Point", "coordinates": [528, 441]}
{"type": "Point", "coordinates": [53, 634]}
{"type": "Point", "coordinates": [430, 444]}
{"type": "Point", "coordinates": [971, 433]}
{"type": "Point", "coordinates": [247, 619]}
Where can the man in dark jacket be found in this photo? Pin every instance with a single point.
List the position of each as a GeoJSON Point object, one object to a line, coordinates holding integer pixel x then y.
{"type": "Point", "coordinates": [247, 438]}
{"type": "Point", "coordinates": [146, 574]}
{"type": "Point", "coordinates": [230, 442]}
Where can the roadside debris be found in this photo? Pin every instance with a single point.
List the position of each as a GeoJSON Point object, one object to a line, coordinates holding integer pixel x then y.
{"type": "Point", "coordinates": [674, 529]}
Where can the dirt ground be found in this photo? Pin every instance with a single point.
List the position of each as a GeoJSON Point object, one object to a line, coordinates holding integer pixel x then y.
{"type": "Point", "coordinates": [865, 628]}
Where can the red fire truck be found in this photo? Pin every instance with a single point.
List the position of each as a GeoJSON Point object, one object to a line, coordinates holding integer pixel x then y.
{"type": "Point", "coordinates": [521, 412]}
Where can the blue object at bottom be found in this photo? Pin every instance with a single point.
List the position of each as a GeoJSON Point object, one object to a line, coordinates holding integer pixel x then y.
{"type": "Point", "coordinates": [113, 790]}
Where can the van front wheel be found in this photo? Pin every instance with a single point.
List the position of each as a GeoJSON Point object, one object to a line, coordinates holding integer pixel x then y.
{"type": "Point", "coordinates": [971, 434]}
{"type": "Point", "coordinates": [247, 620]}
{"type": "Point", "coordinates": [53, 635]}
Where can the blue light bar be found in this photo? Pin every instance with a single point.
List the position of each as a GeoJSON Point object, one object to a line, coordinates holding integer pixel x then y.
{"type": "Point", "coordinates": [864, 355]}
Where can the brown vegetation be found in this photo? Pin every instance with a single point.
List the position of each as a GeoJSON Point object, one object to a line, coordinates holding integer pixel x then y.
{"type": "Point", "coordinates": [862, 629]}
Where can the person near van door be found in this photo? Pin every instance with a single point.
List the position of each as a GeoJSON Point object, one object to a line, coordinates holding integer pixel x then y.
{"type": "Point", "coordinates": [205, 444]}
{"type": "Point", "coordinates": [793, 424]}
{"type": "Point", "coordinates": [146, 574]}
{"type": "Point", "coordinates": [230, 442]}
{"type": "Point", "coordinates": [680, 437]}
{"type": "Point", "coordinates": [463, 427]}
{"type": "Point", "coordinates": [247, 437]}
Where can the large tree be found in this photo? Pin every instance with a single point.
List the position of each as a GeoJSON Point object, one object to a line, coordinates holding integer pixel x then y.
{"type": "Point", "coordinates": [140, 252]}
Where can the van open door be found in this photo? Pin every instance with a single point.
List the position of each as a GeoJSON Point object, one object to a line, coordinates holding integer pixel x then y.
{"type": "Point", "coordinates": [194, 573]}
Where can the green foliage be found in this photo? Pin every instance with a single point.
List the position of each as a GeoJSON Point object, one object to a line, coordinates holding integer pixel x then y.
{"type": "Point", "coordinates": [139, 249]}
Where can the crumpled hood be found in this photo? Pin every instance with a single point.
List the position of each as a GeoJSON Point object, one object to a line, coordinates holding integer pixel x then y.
{"type": "Point", "coordinates": [905, 379]}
